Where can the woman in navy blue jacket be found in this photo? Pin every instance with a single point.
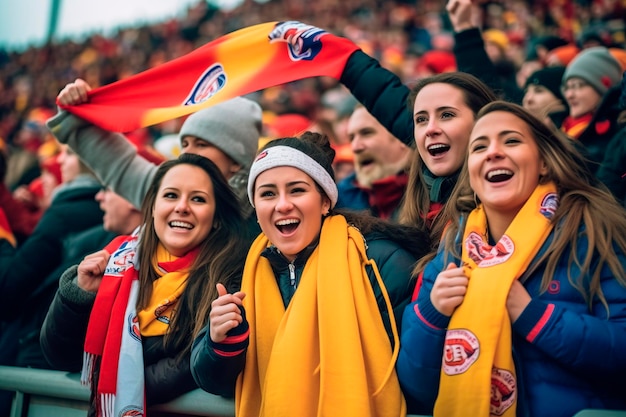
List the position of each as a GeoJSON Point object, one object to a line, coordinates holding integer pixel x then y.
{"type": "Point", "coordinates": [563, 308]}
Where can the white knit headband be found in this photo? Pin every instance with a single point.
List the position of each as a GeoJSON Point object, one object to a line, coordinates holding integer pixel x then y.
{"type": "Point", "coordinates": [280, 156]}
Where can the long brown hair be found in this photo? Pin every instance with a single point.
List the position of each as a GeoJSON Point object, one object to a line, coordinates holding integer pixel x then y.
{"type": "Point", "coordinates": [416, 203]}
{"type": "Point", "coordinates": [586, 208]}
{"type": "Point", "coordinates": [221, 257]}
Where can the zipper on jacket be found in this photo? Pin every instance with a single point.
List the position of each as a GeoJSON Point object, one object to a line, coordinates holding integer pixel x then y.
{"type": "Point", "coordinates": [292, 274]}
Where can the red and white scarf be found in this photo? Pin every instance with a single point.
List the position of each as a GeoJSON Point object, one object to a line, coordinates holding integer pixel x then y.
{"type": "Point", "coordinates": [115, 326]}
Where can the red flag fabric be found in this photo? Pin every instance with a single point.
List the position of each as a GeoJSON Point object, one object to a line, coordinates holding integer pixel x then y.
{"type": "Point", "coordinates": [235, 64]}
{"type": "Point", "coordinates": [5, 229]}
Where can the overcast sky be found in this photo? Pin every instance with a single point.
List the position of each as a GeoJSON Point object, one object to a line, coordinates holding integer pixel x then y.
{"type": "Point", "coordinates": [23, 22]}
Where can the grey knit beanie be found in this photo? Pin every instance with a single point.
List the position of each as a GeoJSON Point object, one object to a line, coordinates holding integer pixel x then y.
{"type": "Point", "coordinates": [597, 67]}
{"type": "Point", "coordinates": [233, 126]}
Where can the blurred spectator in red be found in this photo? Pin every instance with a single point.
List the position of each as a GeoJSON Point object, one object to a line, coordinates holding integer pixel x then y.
{"type": "Point", "coordinates": [620, 55]}
{"type": "Point", "coordinates": [287, 125]}
{"type": "Point", "coordinates": [24, 206]}
{"type": "Point", "coordinates": [23, 162]}
{"type": "Point", "coordinates": [561, 56]}
{"type": "Point", "coordinates": [435, 62]}
{"type": "Point", "coordinates": [343, 164]}
{"type": "Point", "coordinates": [543, 46]}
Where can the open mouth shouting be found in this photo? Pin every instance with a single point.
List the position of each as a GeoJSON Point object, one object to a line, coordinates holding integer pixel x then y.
{"type": "Point", "coordinates": [366, 161]}
{"type": "Point", "coordinates": [438, 149]}
{"type": "Point", "coordinates": [287, 226]}
{"type": "Point", "coordinates": [499, 175]}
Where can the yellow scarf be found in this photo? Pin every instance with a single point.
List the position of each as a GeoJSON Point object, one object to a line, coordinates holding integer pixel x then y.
{"type": "Point", "coordinates": [478, 375]}
{"type": "Point", "coordinates": [154, 320]}
{"type": "Point", "coordinates": [328, 352]}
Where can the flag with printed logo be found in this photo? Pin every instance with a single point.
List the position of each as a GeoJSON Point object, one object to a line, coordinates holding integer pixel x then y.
{"type": "Point", "coordinates": [239, 63]}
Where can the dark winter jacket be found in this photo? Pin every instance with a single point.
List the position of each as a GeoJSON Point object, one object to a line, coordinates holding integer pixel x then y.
{"type": "Point", "coordinates": [73, 210]}
{"type": "Point", "coordinates": [612, 171]}
{"type": "Point", "coordinates": [29, 274]}
{"type": "Point", "coordinates": [19, 340]}
{"type": "Point", "coordinates": [471, 57]}
{"type": "Point", "coordinates": [382, 93]}
{"type": "Point", "coordinates": [217, 374]}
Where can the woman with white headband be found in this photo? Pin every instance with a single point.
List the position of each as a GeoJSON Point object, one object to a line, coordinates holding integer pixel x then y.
{"type": "Point", "coordinates": [314, 329]}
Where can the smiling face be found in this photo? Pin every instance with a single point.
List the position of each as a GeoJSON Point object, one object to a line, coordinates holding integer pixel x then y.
{"type": "Point", "coordinates": [443, 122]}
{"type": "Point", "coordinates": [289, 207]}
{"type": "Point", "coordinates": [377, 153]}
{"type": "Point", "coordinates": [184, 208]}
{"type": "Point", "coordinates": [504, 163]}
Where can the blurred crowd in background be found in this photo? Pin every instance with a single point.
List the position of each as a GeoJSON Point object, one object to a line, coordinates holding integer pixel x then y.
{"type": "Point", "coordinates": [54, 211]}
{"type": "Point", "coordinates": [412, 38]}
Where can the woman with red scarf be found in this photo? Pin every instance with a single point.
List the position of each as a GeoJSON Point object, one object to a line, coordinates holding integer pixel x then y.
{"type": "Point", "coordinates": [128, 313]}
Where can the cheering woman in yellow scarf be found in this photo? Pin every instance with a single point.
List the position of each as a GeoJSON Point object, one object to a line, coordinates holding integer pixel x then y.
{"type": "Point", "coordinates": [523, 310]}
{"type": "Point", "coordinates": [314, 329]}
{"type": "Point", "coordinates": [130, 310]}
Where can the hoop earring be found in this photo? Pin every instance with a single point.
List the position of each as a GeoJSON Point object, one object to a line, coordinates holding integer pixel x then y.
{"type": "Point", "coordinates": [476, 202]}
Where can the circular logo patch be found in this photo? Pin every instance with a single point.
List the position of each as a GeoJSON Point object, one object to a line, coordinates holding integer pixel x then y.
{"type": "Point", "coordinates": [503, 391]}
{"type": "Point", "coordinates": [460, 351]}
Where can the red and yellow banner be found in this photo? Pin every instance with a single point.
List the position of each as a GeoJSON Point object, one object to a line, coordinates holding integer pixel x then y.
{"type": "Point", "coordinates": [235, 64]}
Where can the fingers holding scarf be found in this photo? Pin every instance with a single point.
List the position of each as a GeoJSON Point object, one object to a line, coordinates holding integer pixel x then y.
{"type": "Point", "coordinates": [449, 289]}
{"type": "Point", "coordinates": [91, 270]}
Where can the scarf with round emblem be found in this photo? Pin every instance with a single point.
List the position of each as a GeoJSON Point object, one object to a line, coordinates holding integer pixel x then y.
{"type": "Point", "coordinates": [113, 358]}
{"type": "Point", "coordinates": [478, 374]}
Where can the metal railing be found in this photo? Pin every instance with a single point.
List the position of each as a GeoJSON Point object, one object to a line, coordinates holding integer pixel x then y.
{"type": "Point", "coordinates": [45, 393]}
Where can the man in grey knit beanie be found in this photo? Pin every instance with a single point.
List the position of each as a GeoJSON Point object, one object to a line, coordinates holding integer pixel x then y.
{"type": "Point", "coordinates": [228, 134]}
{"type": "Point", "coordinates": [233, 127]}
